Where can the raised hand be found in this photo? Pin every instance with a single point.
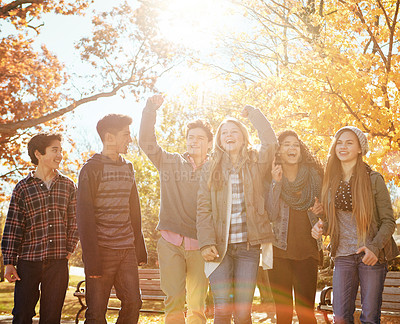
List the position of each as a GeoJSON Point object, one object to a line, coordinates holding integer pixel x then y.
{"type": "Point", "coordinates": [155, 101]}
{"type": "Point", "coordinates": [246, 110]}
{"type": "Point", "coordinates": [276, 172]}
{"type": "Point", "coordinates": [318, 208]}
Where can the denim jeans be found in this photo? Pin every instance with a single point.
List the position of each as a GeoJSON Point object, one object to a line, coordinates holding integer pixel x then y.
{"type": "Point", "coordinates": [52, 277]}
{"type": "Point", "coordinates": [233, 284]}
{"type": "Point", "coordinates": [349, 272]}
{"type": "Point", "coordinates": [119, 270]}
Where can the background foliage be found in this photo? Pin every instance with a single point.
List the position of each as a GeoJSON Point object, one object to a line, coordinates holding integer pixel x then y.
{"type": "Point", "coordinates": [312, 66]}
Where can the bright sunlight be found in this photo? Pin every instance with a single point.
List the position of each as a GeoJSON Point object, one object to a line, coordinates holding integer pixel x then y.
{"type": "Point", "coordinates": [197, 23]}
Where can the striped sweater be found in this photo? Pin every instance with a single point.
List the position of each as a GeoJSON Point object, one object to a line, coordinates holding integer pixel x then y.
{"type": "Point", "coordinates": [108, 210]}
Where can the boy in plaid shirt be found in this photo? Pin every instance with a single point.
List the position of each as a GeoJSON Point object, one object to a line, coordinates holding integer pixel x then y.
{"type": "Point", "coordinates": [40, 234]}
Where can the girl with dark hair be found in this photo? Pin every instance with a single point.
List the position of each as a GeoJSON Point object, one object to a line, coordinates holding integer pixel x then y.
{"type": "Point", "coordinates": [360, 222]}
{"type": "Point", "coordinates": [232, 222]}
{"type": "Point", "coordinates": [293, 205]}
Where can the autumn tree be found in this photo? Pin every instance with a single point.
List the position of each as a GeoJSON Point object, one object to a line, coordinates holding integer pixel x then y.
{"type": "Point", "coordinates": [124, 52]}
{"type": "Point", "coordinates": [316, 66]}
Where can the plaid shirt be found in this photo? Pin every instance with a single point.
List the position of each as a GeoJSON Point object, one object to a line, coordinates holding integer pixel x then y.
{"type": "Point", "coordinates": [41, 222]}
{"type": "Point", "coordinates": [238, 228]}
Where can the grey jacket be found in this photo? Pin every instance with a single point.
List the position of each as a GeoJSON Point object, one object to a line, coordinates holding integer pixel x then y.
{"type": "Point", "coordinates": [279, 215]}
{"type": "Point", "coordinates": [213, 205]}
{"type": "Point", "coordinates": [179, 183]}
{"type": "Point", "coordinates": [383, 223]}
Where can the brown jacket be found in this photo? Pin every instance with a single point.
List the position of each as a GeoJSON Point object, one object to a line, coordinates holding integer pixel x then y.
{"type": "Point", "coordinates": [213, 205]}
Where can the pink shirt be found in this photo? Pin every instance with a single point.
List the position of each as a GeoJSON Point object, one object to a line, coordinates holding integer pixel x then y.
{"type": "Point", "coordinates": [177, 239]}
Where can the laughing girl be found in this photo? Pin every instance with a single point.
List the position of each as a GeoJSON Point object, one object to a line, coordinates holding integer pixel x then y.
{"type": "Point", "coordinates": [232, 221]}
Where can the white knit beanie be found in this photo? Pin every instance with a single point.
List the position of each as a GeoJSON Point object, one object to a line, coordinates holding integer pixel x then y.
{"type": "Point", "coordinates": [360, 135]}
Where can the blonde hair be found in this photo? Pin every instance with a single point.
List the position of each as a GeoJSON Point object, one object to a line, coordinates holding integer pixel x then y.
{"type": "Point", "coordinates": [216, 177]}
{"type": "Point", "coordinates": [360, 190]}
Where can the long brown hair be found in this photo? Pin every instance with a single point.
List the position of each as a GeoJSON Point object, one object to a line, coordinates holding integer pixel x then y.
{"type": "Point", "coordinates": [216, 177]}
{"type": "Point", "coordinates": [360, 190]}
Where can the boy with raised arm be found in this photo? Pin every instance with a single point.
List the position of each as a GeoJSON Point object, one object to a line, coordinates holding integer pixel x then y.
{"type": "Point", "coordinates": [181, 264]}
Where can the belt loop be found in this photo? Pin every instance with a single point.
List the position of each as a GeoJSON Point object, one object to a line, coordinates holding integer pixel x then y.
{"type": "Point", "coordinates": [248, 246]}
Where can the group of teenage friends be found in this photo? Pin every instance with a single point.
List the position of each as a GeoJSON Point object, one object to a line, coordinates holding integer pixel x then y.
{"type": "Point", "coordinates": [224, 203]}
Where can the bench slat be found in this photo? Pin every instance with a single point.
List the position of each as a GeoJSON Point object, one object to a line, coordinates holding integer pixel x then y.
{"type": "Point", "coordinates": [385, 305]}
{"type": "Point", "coordinates": [390, 306]}
{"type": "Point", "coordinates": [391, 290]}
{"type": "Point", "coordinates": [392, 282]}
{"type": "Point", "coordinates": [391, 298]}
{"type": "Point", "coordinates": [393, 274]}
{"type": "Point", "coordinates": [149, 276]}
{"type": "Point", "coordinates": [155, 283]}
{"type": "Point", "coordinates": [385, 297]}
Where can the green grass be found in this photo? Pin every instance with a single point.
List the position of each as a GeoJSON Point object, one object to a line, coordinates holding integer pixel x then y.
{"type": "Point", "coordinates": [6, 298]}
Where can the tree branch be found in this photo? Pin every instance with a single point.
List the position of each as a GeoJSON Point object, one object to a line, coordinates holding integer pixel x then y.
{"type": "Point", "coordinates": [348, 107]}
{"type": "Point", "coordinates": [15, 4]}
{"type": "Point", "coordinates": [360, 15]}
{"type": "Point", "coordinates": [392, 29]}
{"type": "Point", "coordinates": [10, 172]}
{"type": "Point", "coordinates": [11, 128]}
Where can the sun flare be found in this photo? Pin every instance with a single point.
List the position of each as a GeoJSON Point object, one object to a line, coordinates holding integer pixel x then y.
{"type": "Point", "coordinates": [197, 23]}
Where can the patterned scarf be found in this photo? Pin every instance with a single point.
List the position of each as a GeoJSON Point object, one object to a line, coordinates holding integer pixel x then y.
{"type": "Point", "coordinates": [300, 194]}
{"type": "Point", "coordinates": [343, 197]}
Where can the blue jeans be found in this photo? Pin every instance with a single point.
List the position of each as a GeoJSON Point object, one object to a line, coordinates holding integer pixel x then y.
{"type": "Point", "coordinates": [349, 272]}
{"type": "Point", "coordinates": [119, 270]}
{"type": "Point", "coordinates": [233, 284]}
{"type": "Point", "coordinates": [52, 277]}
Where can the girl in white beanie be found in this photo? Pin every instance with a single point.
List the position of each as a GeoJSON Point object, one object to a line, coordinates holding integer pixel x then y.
{"type": "Point", "coordinates": [360, 222]}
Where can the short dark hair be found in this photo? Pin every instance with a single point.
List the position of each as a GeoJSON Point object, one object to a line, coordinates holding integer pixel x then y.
{"type": "Point", "coordinates": [199, 123]}
{"type": "Point", "coordinates": [112, 123]}
{"type": "Point", "coordinates": [39, 143]}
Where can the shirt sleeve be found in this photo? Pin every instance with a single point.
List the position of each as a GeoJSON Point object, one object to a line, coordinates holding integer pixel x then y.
{"type": "Point", "coordinates": [266, 135]}
{"type": "Point", "coordinates": [147, 137]}
{"type": "Point", "coordinates": [204, 220]}
{"type": "Point", "coordinates": [136, 221]}
{"type": "Point", "coordinates": [14, 228]}
{"type": "Point", "coordinates": [72, 229]}
{"type": "Point", "coordinates": [86, 221]}
{"type": "Point", "coordinates": [386, 221]}
{"type": "Point", "coordinates": [273, 204]}
{"type": "Point", "coordinates": [148, 141]}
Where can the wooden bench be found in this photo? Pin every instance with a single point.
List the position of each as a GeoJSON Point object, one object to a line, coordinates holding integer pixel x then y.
{"type": "Point", "coordinates": [149, 284]}
{"type": "Point", "coordinates": [390, 297]}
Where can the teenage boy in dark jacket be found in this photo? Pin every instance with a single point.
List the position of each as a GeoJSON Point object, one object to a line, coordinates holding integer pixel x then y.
{"type": "Point", "coordinates": [181, 264]}
{"type": "Point", "coordinates": [40, 234]}
{"type": "Point", "coordinates": [109, 224]}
